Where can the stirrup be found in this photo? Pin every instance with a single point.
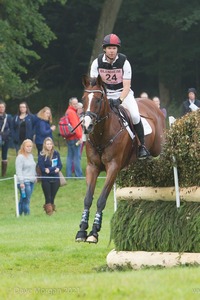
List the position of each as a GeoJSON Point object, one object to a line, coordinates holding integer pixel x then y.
{"type": "Point", "coordinates": [143, 153]}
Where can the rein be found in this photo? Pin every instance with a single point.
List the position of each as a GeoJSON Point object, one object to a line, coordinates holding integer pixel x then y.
{"type": "Point", "coordinates": [77, 125]}
{"type": "Point", "coordinates": [101, 148]}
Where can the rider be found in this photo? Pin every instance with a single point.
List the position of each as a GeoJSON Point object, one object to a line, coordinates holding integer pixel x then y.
{"type": "Point", "coordinates": [115, 71]}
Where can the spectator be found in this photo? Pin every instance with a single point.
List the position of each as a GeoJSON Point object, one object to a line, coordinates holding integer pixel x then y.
{"type": "Point", "coordinates": [26, 175]}
{"type": "Point", "coordinates": [191, 104]}
{"type": "Point", "coordinates": [156, 100]}
{"type": "Point", "coordinates": [75, 141]}
{"type": "Point", "coordinates": [144, 95]}
{"type": "Point", "coordinates": [79, 113]}
{"type": "Point", "coordinates": [23, 125]}
{"type": "Point", "coordinates": [5, 134]}
{"type": "Point", "coordinates": [50, 164]}
{"type": "Point", "coordinates": [43, 127]}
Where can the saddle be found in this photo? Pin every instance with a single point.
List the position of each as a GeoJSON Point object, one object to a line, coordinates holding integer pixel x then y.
{"type": "Point", "coordinates": [125, 118]}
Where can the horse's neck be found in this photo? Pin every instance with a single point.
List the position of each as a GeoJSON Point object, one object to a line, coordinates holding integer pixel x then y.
{"type": "Point", "coordinates": [108, 124]}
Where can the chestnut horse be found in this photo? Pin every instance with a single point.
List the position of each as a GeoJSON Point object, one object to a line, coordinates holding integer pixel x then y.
{"type": "Point", "coordinates": [109, 147]}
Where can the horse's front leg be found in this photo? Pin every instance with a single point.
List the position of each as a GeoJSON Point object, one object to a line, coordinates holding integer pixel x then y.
{"type": "Point", "coordinates": [111, 174]}
{"type": "Point", "coordinates": [92, 173]}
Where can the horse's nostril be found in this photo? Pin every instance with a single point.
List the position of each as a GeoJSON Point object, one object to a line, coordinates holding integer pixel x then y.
{"type": "Point", "coordinates": [90, 127]}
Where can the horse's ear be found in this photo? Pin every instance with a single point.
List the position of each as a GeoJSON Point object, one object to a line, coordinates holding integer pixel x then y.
{"type": "Point", "coordinates": [99, 81]}
{"type": "Point", "coordinates": [85, 80]}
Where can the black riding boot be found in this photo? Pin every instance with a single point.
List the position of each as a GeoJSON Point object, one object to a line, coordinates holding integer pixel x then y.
{"type": "Point", "coordinates": [142, 151]}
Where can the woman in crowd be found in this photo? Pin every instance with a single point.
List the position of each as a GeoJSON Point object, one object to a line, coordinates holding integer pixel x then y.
{"type": "Point", "coordinates": [50, 164]}
{"type": "Point", "coordinates": [43, 127]}
{"type": "Point", "coordinates": [5, 134]}
{"type": "Point", "coordinates": [23, 125]}
{"type": "Point", "coordinates": [26, 175]}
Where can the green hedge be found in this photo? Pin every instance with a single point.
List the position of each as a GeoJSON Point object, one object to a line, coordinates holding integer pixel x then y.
{"type": "Point", "coordinates": [159, 225]}
{"type": "Point", "coordinates": [156, 226]}
{"type": "Point", "coordinates": [182, 142]}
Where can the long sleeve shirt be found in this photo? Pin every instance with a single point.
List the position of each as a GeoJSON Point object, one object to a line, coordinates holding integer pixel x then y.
{"type": "Point", "coordinates": [42, 131]}
{"type": "Point", "coordinates": [25, 168]}
{"type": "Point", "coordinates": [51, 164]}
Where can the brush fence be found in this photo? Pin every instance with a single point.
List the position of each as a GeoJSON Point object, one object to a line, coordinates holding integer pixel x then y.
{"type": "Point", "coordinates": [149, 230]}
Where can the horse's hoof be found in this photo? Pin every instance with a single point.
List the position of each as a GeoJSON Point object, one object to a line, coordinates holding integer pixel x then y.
{"type": "Point", "coordinates": [81, 236]}
{"type": "Point", "coordinates": [92, 238]}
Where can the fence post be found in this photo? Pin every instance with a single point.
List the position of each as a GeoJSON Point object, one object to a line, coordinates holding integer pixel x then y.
{"type": "Point", "coordinates": [115, 198]}
{"type": "Point", "coordinates": [16, 196]}
{"type": "Point", "coordinates": [171, 121]}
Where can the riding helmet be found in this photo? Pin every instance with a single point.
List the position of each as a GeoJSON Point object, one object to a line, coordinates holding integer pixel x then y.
{"type": "Point", "coordinates": [111, 40]}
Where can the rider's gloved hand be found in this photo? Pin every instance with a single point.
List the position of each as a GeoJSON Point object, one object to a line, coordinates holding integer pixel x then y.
{"type": "Point", "coordinates": [115, 102]}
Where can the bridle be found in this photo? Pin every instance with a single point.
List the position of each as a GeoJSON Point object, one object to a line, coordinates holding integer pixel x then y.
{"type": "Point", "coordinates": [96, 116]}
{"type": "Point", "coordinates": [97, 119]}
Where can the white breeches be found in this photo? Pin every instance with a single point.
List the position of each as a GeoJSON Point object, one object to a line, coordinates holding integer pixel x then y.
{"type": "Point", "coordinates": [129, 103]}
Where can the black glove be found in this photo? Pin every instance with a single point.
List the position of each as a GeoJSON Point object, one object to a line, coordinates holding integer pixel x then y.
{"type": "Point", "coordinates": [115, 102]}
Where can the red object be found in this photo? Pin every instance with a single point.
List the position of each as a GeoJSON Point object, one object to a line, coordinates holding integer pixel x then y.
{"type": "Point", "coordinates": [65, 128]}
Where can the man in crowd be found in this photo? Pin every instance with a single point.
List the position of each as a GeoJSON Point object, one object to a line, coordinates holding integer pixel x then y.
{"type": "Point", "coordinates": [74, 142]}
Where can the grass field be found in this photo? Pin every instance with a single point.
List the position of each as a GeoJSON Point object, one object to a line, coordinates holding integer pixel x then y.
{"type": "Point", "coordinates": [39, 258]}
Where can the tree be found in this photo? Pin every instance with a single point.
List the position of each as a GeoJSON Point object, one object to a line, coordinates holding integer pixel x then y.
{"type": "Point", "coordinates": [163, 44]}
{"type": "Point", "coordinates": [21, 26]}
{"type": "Point", "coordinates": [106, 24]}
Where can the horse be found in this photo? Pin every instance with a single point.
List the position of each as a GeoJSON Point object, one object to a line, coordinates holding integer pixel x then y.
{"type": "Point", "coordinates": [109, 147]}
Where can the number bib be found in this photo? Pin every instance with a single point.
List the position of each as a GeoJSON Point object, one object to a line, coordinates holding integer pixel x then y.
{"type": "Point", "coordinates": [113, 76]}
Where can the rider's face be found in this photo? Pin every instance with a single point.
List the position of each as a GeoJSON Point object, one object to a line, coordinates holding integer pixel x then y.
{"type": "Point", "coordinates": [111, 52]}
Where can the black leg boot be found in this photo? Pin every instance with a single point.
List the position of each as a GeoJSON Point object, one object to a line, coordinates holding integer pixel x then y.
{"type": "Point", "coordinates": [82, 233]}
{"type": "Point", "coordinates": [142, 151]}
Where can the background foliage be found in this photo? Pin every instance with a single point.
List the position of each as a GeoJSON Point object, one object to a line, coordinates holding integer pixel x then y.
{"type": "Point", "coordinates": [51, 44]}
{"type": "Point", "coordinates": [22, 27]}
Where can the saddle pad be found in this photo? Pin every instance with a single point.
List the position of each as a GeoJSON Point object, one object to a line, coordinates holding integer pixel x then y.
{"type": "Point", "coordinates": [147, 127]}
